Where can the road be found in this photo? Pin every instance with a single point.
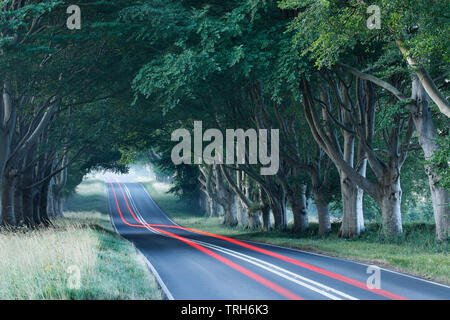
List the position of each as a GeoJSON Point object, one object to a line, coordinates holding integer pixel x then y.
{"type": "Point", "coordinates": [194, 265]}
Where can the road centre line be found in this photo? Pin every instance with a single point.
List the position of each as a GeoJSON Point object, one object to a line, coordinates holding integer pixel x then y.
{"type": "Point", "coordinates": [265, 282]}
{"type": "Point", "coordinates": [286, 274]}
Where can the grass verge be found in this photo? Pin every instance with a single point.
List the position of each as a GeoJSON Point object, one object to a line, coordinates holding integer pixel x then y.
{"type": "Point", "coordinates": [44, 263]}
{"type": "Point", "coordinates": [416, 253]}
{"type": "Point", "coordinates": [90, 196]}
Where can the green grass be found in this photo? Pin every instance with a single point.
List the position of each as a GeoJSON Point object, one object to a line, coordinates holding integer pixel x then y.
{"type": "Point", "coordinates": [36, 264]}
{"type": "Point", "coordinates": [90, 196]}
{"type": "Point", "coordinates": [416, 253]}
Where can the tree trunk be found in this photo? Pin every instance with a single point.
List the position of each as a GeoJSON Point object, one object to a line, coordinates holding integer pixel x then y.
{"type": "Point", "coordinates": [36, 208]}
{"type": "Point", "coordinates": [60, 203]}
{"type": "Point", "coordinates": [253, 220]}
{"type": "Point", "coordinates": [1, 201]}
{"type": "Point", "coordinates": [322, 200]}
{"type": "Point", "coordinates": [324, 218]}
{"type": "Point", "coordinates": [441, 210]}
{"type": "Point", "coordinates": [43, 204]}
{"type": "Point", "coordinates": [205, 203]}
{"type": "Point", "coordinates": [391, 198]}
{"type": "Point", "coordinates": [209, 206]}
{"type": "Point", "coordinates": [360, 209]}
{"type": "Point", "coordinates": [278, 207]}
{"type": "Point", "coordinates": [300, 216]}
{"type": "Point", "coordinates": [427, 139]}
{"type": "Point", "coordinates": [299, 210]}
{"type": "Point", "coordinates": [18, 201]}
{"type": "Point", "coordinates": [28, 208]}
{"type": "Point", "coordinates": [51, 205]}
{"type": "Point", "coordinates": [351, 224]}
{"type": "Point", "coordinates": [56, 203]}
{"type": "Point", "coordinates": [360, 199]}
{"type": "Point", "coordinates": [7, 124]}
{"type": "Point", "coordinates": [8, 201]}
{"type": "Point", "coordinates": [230, 212]}
{"type": "Point", "coordinates": [241, 213]}
{"type": "Point", "coordinates": [4, 152]}
{"type": "Point", "coordinates": [1, 196]}
{"type": "Point", "coordinates": [28, 193]}
{"type": "Point", "coordinates": [265, 212]}
{"type": "Point", "coordinates": [252, 217]}
{"type": "Point", "coordinates": [213, 208]}
{"type": "Point", "coordinates": [352, 220]}
{"type": "Point", "coordinates": [51, 200]}
{"type": "Point", "coordinates": [222, 194]}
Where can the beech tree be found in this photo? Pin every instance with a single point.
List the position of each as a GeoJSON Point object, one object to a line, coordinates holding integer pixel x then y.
{"type": "Point", "coordinates": [43, 77]}
{"type": "Point", "coordinates": [350, 101]}
{"type": "Point", "coordinates": [409, 45]}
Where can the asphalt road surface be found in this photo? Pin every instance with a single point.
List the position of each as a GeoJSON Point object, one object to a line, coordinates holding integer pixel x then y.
{"type": "Point", "coordinates": [193, 265]}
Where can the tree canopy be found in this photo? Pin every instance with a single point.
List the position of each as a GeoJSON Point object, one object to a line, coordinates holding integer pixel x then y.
{"type": "Point", "coordinates": [356, 89]}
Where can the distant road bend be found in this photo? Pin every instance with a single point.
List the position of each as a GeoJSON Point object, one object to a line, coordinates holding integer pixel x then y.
{"type": "Point", "coordinates": [195, 265]}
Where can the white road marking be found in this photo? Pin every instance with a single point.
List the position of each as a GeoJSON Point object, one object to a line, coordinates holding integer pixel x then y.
{"type": "Point", "coordinates": [286, 274]}
{"type": "Point", "coordinates": [149, 264]}
{"type": "Point", "coordinates": [317, 254]}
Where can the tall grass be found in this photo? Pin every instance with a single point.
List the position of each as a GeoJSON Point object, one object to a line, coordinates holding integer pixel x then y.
{"type": "Point", "coordinates": [39, 264]}
{"type": "Point", "coordinates": [36, 264]}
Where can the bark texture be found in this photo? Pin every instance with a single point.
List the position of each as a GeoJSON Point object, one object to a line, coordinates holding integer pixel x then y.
{"type": "Point", "coordinates": [427, 139]}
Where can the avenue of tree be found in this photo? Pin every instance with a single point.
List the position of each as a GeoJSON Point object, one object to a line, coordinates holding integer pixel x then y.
{"type": "Point", "coordinates": [362, 112]}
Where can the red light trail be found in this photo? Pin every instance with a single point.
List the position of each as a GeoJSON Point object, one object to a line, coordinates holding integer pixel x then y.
{"type": "Point", "coordinates": [327, 273]}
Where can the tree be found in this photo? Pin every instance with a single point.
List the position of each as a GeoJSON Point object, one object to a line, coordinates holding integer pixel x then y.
{"type": "Point", "coordinates": [411, 33]}
{"type": "Point", "coordinates": [43, 77]}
